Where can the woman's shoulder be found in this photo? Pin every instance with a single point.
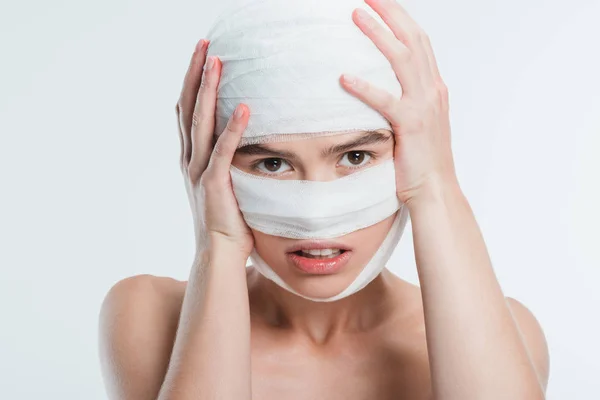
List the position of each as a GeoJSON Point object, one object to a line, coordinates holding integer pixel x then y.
{"type": "Point", "coordinates": [142, 302]}
{"type": "Point", "coordinates": [138, 322]}
{"type": "Point", "coordinates": [138, 292]}
{"type": "Point", "coordinates": [145, 298]}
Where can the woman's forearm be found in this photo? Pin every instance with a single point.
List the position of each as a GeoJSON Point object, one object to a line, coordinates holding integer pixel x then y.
{"type": "Point", "coordinates": [475, 349]}
{"type": "Point", "coordinates": [211, 355]}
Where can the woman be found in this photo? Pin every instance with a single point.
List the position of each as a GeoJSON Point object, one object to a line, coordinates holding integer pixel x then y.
{"type": "Point", "coordinates": [231, 333]}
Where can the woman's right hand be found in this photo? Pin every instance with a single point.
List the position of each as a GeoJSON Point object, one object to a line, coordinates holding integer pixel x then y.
{"type": "Point", "coordinates": [205, 167]}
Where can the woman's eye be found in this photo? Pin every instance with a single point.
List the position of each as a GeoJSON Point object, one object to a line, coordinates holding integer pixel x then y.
{"type": "Point", "coordinates": [355, 159]}
{"type": "Point", "coordinates": [272, 165]}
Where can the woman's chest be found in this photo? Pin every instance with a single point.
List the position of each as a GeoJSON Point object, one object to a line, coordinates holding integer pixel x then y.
{"type": "Point", "coordinates": [353, 370]}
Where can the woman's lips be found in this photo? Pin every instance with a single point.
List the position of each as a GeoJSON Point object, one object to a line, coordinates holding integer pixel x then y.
{"type": "Point", "coordinates": [317, 245]}
{"type": "Point", "coordinates": [320, 266]}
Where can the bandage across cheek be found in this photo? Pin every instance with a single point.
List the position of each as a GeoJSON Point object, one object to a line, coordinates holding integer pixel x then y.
{"type": "Point", "coordinates": [284, 58]}
{"type": "Point", "coordinates": [301, 209]}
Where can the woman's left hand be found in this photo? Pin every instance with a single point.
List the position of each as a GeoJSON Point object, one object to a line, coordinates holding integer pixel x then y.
{"type": "Point", "coordinates": [419, 118]}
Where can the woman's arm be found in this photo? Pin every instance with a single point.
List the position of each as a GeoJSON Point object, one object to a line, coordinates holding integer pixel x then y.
{"type": "Point", "coordinates": [211, 356]}
{"type": "Point", "coordinates": [474, 341]}
{"type": "Point", "coordinates": [476, 348]}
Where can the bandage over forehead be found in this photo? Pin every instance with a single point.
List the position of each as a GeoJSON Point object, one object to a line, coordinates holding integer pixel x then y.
{"type": "Point", "coordinates": [284, 59]}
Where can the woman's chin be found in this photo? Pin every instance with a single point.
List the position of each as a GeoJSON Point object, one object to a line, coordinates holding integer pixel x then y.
{"type": "Point", "coordinates": [318, 285]}
{"type": "Point", "coordinates": [318, 288]}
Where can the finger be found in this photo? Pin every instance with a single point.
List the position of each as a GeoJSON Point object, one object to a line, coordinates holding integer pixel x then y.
{"type": "Point", "coordinates": [224, 150]}
{"type": "Point", "coordinates": [203, 120]}
{"type": "Point", "coordinates": [187, 98]}
{"type": "Point", "coordinates": [433, 65]}
{"type": "Point", "coordinates": [406, 30]}
{"type": "Point", "coordinates": [380, 100]}
{"type": "Point", "coordinates": [399, 56]}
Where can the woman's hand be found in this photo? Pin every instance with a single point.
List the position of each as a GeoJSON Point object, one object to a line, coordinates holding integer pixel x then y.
{"type": "Point", "coordinates": [420, 119]}
{"type": "Point", "coordinates": [205, 167]}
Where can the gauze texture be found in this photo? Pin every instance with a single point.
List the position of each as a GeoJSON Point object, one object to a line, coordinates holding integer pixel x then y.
{"type": "Point", "coordinates": [300, 209]}
{"type": "Point", "coordinates": [284, 58]}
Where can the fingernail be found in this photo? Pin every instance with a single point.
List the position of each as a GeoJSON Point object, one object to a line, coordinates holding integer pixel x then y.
{"type": "Point", "coordinates": [362, 15]}
{"type": "Point", "coordinates": [200, 45]}
{"type": "Point", "coordinates": [239, 112]}
{"type": "Point", "coordinates": [349, 79]}
{"type": "Point", "coordinates": [209, 63]}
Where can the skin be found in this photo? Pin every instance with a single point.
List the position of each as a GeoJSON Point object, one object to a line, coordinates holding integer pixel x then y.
{"type": "Point", "coordinates": [229, 333]}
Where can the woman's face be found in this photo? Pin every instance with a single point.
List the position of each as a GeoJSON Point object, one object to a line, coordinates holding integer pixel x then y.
{"type": "Point", "coordinates": [319, 159]}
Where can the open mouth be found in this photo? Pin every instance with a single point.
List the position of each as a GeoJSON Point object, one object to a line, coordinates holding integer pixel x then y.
{"type": "Point", "coordinates": [320, 261]}
{"type": "Point", "coordinates": [320, 254]}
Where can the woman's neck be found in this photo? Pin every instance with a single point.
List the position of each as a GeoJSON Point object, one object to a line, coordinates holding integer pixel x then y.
{"type": "Point", "coordinates": [322, 321]}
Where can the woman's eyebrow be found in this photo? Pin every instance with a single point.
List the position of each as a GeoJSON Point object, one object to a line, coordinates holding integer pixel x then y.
{"type": "Point", "coordinates": [370, 137]}
{"type": "Point", "coordinates": [260, 150]}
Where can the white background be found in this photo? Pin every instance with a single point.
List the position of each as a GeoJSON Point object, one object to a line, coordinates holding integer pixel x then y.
{"type": "Point", "coordinates": [91, 191]}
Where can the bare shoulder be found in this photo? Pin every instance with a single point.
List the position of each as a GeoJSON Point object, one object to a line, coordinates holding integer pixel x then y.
{"type": "Point", "coordinates": [137, 325]}
{"type": "Point", "coordinates": [141, 298]}
{"type": "Point", "coordinates": [534, 338]}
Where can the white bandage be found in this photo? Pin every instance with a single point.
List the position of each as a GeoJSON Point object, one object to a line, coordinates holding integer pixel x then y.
{"type": "Point", "coordinates": [284, 58]}
{"type": "Point", "coordinates": [317, 210]}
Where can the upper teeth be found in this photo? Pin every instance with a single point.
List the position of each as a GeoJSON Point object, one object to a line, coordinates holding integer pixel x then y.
{"type": "Point", "coordinates": [321, 252]}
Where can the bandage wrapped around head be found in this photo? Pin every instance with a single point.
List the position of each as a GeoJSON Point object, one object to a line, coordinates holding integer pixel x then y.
{"type": "Point", "coordinates": [284, 58]}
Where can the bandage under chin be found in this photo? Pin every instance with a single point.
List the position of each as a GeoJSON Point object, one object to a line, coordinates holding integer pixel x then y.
{"type": "Point", "coordinates": [284, 58]}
